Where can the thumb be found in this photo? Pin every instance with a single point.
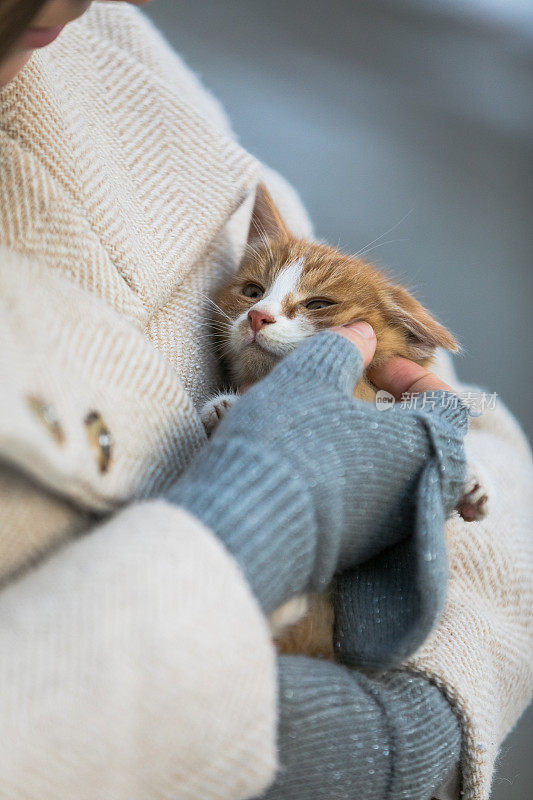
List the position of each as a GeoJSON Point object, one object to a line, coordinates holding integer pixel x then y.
{"type": "Point", "coordinates": [399, 375]}
{"type": "Point", "coordinates": [362, 335]}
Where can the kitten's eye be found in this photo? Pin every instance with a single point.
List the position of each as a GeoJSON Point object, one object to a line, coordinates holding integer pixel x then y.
{"type": "Point", "coordinates": [316, 305]}
{"type": "Point", "coordinates": [252, 290]}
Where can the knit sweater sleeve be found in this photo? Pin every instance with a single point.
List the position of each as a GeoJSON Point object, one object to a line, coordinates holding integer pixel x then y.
{"type": "Point", "coordinates": [343, 734]}
{"type": "Point", "coordinates": [136, 663]}
{"type": "Point", "coordinates": [480, 653]}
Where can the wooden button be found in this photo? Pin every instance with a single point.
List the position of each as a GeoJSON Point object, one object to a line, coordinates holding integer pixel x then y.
{"type": "Point", "coordinates": [47, 416]}
{"type": "Point", "coordinates": [100, 439]}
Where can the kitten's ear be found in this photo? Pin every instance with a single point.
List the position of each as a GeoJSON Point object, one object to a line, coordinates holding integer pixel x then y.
{"type": "Point", "coordinates": [266, 219]}
{"type": "Point", "coordinates": [423, 332]}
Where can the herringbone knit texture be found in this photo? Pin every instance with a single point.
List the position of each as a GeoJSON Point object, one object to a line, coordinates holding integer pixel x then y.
{"type": "Point", "coordinates": [112, 177]}
{"type": "Point", "coordinates": [137, 183]}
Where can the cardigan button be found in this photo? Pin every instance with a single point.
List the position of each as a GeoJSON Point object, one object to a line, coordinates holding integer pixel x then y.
{"type": "Point", "coordinates": [47, 416]}
{"type": "Point", "coordinates": [100, 439]}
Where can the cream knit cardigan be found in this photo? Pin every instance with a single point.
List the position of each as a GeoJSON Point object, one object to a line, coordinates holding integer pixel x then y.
{"type": "Point", "coordinates": [135, 662]}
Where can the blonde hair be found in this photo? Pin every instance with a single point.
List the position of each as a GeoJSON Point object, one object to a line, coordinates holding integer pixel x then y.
{"type": "Point", "coordinates": [15, 16]}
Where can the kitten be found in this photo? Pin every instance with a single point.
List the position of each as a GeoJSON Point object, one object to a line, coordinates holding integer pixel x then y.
{"type": "Point", "coordinates": [285, 290]}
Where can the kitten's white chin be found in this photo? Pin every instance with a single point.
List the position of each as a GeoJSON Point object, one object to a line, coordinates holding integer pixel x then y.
{"type": "Point", "coordinates": [252, 356]}
{"type": "Point", "coordinates": [253, 363]}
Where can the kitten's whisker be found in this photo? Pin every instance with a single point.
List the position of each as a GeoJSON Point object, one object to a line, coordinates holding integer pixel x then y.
{"type": "Point", "coordinates": [219, 343]}
{"type": "Point", "coordinates": [369, 249]}
{"type": "Point", "coordinates": [220, 340]}
{"type": "Point", "coordinates": [384, 234]}
{"type": "Point", "coordinates": [263, 236]}
{"type": "Point", "coordinates": [215, 306]}
{"type": "Point", "coordinates": [252, 250]}
{"type": "Point", "coordinates": [224, 322]}
{"type": "Point", "coordinates": [220, 323]}
{"type": "Point", "coordinates": [218, 331]}
{"type": "Point", "coordinates": [217, 335]}
{"type": "Point", "coordinates": [222, 328]}
{"type": "Point", "coordinates": [224, 351]}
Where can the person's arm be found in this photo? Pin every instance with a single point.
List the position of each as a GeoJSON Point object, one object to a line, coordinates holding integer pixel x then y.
{"type": "Point", "coordinates": [340, 732]}
{"type": "Point", "coordinates": [136, 663]}
{"type": "Point", "coordinates": [480, 653]}
{"type": "Point", "coordinates": [122, 638]}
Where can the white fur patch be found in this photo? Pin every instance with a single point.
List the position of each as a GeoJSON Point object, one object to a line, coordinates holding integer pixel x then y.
{"type": "Point", "coordinates": [288, 614]}
{"type": "Point", "coordinates": [285, 283]}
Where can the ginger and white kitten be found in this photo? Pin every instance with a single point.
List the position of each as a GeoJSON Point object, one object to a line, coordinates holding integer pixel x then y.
{"type": "Point", "coordinates": [285, 290]}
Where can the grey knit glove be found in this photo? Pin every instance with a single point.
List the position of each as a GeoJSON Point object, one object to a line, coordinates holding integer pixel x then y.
{"type": "Point", "coordinates": [300, 480]}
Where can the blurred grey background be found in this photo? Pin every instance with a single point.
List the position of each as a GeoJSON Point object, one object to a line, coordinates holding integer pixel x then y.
{"type": "Point", "coordinates": [407, 126]}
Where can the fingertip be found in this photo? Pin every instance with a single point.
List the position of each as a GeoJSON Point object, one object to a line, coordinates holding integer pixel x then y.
{"type": "Point", "coordinates": [362, 335]}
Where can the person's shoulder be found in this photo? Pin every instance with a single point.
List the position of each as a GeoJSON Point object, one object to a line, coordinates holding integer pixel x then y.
{"type": "Point", "coordinates": [130, 31]}
{"type": "Point", "coordinates": [120, 24]}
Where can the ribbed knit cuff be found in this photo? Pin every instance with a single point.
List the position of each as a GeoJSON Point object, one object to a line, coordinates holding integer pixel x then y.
{"type": "Point", "coordinates": [260, 510]}
{"type": "Point", "coordinates": [447, 423]}
{"type": "Point", "coordinates": [427, 735]}
{"type": "Point", "coordinates": [385, 607]}
{"type": "Point", "coordinates": [451, 408]}
{"type": "Point", "coordinates": [345, 735]}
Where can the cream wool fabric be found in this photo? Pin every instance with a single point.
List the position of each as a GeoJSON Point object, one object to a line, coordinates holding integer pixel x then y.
{"type": "Point", "coordinates": [123, 201]}
{"type": "Point", "coordinates": [135, 661]}
{"type": "Point", "coordinates": [99, 697]}
{"type": "Point", "coordinates": [481, 654]}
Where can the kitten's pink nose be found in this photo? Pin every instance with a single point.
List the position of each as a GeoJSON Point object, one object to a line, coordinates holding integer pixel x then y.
{"type": "Point", "coordinates": [259, 318]}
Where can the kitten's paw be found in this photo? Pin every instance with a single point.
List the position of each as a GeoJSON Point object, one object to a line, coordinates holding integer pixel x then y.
{"type": "Point", "coordinates": [474, 504]}
{"type": "Point", "coordinates": [288, 614]}
{"type": "Point", "coordinates": [213, 411]}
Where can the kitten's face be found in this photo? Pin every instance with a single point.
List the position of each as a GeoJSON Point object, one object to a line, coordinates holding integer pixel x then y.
{"type": "Point", "coordinates": [286, 289]}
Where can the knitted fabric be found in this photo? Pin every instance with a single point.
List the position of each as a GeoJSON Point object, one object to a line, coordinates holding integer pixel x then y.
{"type": "Point", "coordinates": [258, 486]}
{"type": "Point", "coordinates": [345, 735]}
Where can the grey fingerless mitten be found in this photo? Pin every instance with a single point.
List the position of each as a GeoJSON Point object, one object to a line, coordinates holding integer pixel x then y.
{"type": "Point", "coordinates": [300, 481]}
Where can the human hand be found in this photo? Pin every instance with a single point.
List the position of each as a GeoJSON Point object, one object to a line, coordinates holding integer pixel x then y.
{"type": "Point", "coordinates": [397, 375]}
